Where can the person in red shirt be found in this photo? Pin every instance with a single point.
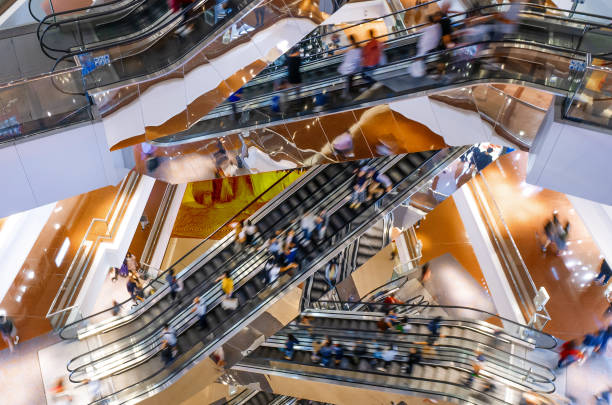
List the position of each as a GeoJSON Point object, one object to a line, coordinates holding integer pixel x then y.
{"type": "Point", "coordinates": [371, 56]}
{"type": "Point", "coordinates": [569, 354]}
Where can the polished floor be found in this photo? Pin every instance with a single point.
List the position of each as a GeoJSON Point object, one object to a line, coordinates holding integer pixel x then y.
{"type": "Point", "coordinates": [33, 290]}
{"type": "Point", "coordinates": [577, 304]}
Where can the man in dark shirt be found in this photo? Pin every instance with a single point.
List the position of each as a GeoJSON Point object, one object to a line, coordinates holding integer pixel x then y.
{"type": "Point", "coordinates": [294, 60]}
{"type": "Point", "coordinates": [605, 272]}
{"type": "Point", "coordinates": [482, 159]}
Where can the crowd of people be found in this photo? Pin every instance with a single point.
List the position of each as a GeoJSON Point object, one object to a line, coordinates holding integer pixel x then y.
{"type": "Point", "coordinates": [329, 353]}
{"type": "Point", "coordinates": [369, 183]}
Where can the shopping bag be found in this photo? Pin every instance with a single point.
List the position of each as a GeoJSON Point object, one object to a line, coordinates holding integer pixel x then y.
{"type": "Point", "coordinates": [229, 303]}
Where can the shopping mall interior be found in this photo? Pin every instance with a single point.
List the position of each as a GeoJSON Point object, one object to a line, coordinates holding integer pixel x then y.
{"type": "Point", "coordinates": [305, 202]}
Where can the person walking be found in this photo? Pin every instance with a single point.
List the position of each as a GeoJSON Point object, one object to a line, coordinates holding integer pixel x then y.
{"type": "Point", "coordinates": [308, 224]}
{"type": "Point", "coordinates": [351, 64]}
{"type": "Point", "coordinates": [294, 61]}
{"type": "Point", "coordinates": [605, 272]}
{"type": "Point", "coordinates": [387, 356]}
{"type": "Point", "coordinates": [8, 330]}
{"type": "Point", "coordinates": [250, 231]}
{"type": "Point", "coordinates": [371, 57]}
{"type": "Point", "coordinates": [171, 280]}
{"type": "Point", "coordinates": [569, 354]}
{"type": "Point", "coordinates": [200, 308]}
{"type": "Point", "coordinates": [434, 329]}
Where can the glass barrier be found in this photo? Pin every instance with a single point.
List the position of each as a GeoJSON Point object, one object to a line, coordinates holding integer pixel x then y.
{"type": "Point", "coordinates": [38, 104]}
{"type": "Point", "coordinates": [591, 102]}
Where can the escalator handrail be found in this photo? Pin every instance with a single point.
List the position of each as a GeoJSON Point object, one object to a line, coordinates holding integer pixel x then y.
{"type": "Point", "coordinates": [161, 277]}
{"type": "Point", "coordinates": [490, 314]}
{"type": "Point", "coordinates": [494, 374]}
{"type": "Point", "coordinates": [245, 275]}
{"type": "Point", "coordinates": [223, 335]}
{"type": "Point", "coordinates": [74, 10]}
{"type": "Point", "coordinates": [388, 338]}
{"type": "Point", "coordinates": [365, 382]}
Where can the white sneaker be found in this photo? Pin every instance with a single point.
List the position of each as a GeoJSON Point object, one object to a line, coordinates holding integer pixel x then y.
{"type": "Point", "coordinates": [16, 339]}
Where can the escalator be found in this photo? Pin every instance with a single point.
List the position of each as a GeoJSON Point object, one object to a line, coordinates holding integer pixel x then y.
{"type": "Point", "coordinates": [133, 364]}
{"type": "Point", "coordinates": [538, 54]}
{"type": "Point", "coordinates": [444, 370]}
{"type": "Point", "coordinates": [355, 255]}
{"type": "Point", "coordinates": [140, 38]}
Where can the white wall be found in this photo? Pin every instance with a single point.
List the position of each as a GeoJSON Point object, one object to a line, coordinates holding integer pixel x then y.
{"type": "Point", "coordinates": [17, 236]}
{"type": "Point", "coordinates": [572, 159]}
{"type": "Point", "coordinates": [57, 166]}
{"type": "Point", "coordinates": [358, 11]}
{"type": "Point", "coordinates": [18, 14]}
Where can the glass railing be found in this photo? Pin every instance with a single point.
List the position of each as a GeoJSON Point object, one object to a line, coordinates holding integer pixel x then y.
{"type": "Point", "coordinates": [510, 258]}
{"type": "Point", "coordinates": [38, 104]}
{"type": "Point", "coordinates": [591, 100]}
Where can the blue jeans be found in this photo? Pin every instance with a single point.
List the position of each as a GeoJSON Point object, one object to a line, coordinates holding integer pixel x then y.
{"type": "Point", "coordinates": [307, 233]}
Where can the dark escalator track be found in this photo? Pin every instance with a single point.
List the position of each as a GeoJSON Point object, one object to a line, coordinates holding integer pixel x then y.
{"type": "Point", "coordinates": [138, 369]}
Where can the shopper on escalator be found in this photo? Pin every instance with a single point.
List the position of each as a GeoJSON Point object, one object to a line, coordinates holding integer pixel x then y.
{"type": "Point", "coordinates": [434, 329]}
{"type": "Point", "coordinates": [294, 61]}
{"type": "Point", "coordinates": [169, 341]}
{"type": "Point", "coordinates": [250, 231]}
{"type": "Point", "coordinates": [351, 65]}
{"type": "Point", "coordinates": [325, 354]}
{"type": "Point", "coordinates": [359, 351]}
{"type": "Point", "coordinates": [360, 185]}
{"type": "Point", "coordinates": [308, 224]}
{"type": "Point", "coordinates": [387, 356]}
{"type": "Point", "coordinates": [227, 284]}
{"type": "Point", "coordinates": [413, 359]}
{"type": "Point", "coordinates": [200, 308]}
{"type": "Point", "coordinates": [174, 286]}
{"type": "Point", "coordinates": [338, 352]}
{"type": "Point", "coordinates": [290, 346]}
{"type": "Point", "coordinates": [372, 56]}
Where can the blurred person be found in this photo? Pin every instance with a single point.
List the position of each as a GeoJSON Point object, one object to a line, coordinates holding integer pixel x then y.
{"type": "Point", "coordinates": [434, 329]}
{"type": "Point", "coordinates": [200, 308]}
{"type": "Point", "coordinates": [290, 240]}
{"type": "Point", "coordinates": [590, 343]}
{"type": "Point", "coordinates": [133, 288]}
{"type": "Point", "coordinates": [8, 330]}
{"type": "Point", "coordinates": [178, 6]}
{"type": "Point", "coordinates": [233, 99]}
{"type": "Point", "coordinates": [331, 271]}
{"type": "Point", "coordinates": [338, 352]}
{"type": "Point", "coordinates": [414, 358]}
{"type": "Point", "coordinates": [372, 56]}
{"type": "Point", "coordinates": [290, 346]}
{"type": "Point", "coordinates": [171, 280]}
{"type": "Point", "coordinates": [167, 353]}
{"type": "Point", "coordinates": [360, 185]}
{"type": "Point", "coordinates": [59, 393]}
{"type": "Point", "coordinates": [132, 262]}
{"type": "Point", "coordinates": [116, 308]}
{"type": "Point", "coordinates": [425, 273]}
{"type": "Point", "coordinates": [294, 61]}
{"type": "Point", "coordinates": [343, 145]}
{"type": "Point", "coordinates": [227, 284]}
{"type": "Point", "coordinates": [239, 236]}
{"type": "Point", "coordinates": [260, 13]}
{"type": "Point", "coordinates": [477, 366]}
{"type": "Point", "coordinates": [389, 321]}
{"type": "Point", "coordinates": [351, 64]}
{"type": "Point", "coordinates": [273, 269]}
{"type": "Point", "coordinates": [604, 397]}
{"type": "Point", "coordinates": [218, 356]}
{"type": "Point", "coordinates": [321, 225]}
{"type": "Point", "coordinates": [507, 21]}
{"type": "Point", "coordinates": [168, 335]}
{"type": "Point", "coordinates": [605, 335]}
{"type": "Point", "coordinates": [387, 356]}
{"type": "Point", "coordinates": [359, 350]}
{"type": "Point", "coordinates": [308, 224]}
{"type": "Point", "coordinates": [555, 233]}
{"type": "Point", "coordinates": [250, 231]}
{"type": "Point", "coordinates": [481, 159]}
{"type": "Point", "coordinates": [390, 301]}
{"type": "Point", "coordinates": [325, 353]}
{"type": "Point", "coordinates": [380, 184]}
{"type": "Point", "coordinates": [428, 40]}
{"type": "Point", "coordinates": [569, 354]}
{"type": "Point", "coordinates": [605, 272]}
{"type": "Point", "coordinates": [316, 346]}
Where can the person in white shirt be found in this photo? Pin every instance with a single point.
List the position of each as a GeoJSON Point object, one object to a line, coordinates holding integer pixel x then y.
{"type": "Point", "coordinates": [200, 308]}
{"type": "Point", "coordinates": [308, 224]}
{"type": "Point", "coordinates": [250, 231]}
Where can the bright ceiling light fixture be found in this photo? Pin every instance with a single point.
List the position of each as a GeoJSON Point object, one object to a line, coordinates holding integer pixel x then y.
{"type": "Point", "coordinates": [62, 252]}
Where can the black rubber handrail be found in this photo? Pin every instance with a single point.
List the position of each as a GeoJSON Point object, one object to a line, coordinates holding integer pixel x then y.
{"type": "Point", "coordinates": [490, 314]}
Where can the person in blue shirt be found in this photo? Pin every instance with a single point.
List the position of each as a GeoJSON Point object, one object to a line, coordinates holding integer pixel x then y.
{"type": "Point", "coordinates": [325, 354]}
{"type": "Point", "coordinates": [290, 346]}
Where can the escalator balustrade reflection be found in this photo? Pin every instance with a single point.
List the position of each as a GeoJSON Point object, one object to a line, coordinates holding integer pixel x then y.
{"type": "Point", "coordinates": [134, 363]}
{"type": "Point", "coordinates": [445, 368]}
{"type": "Point", "coordinates": [526, 57]}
